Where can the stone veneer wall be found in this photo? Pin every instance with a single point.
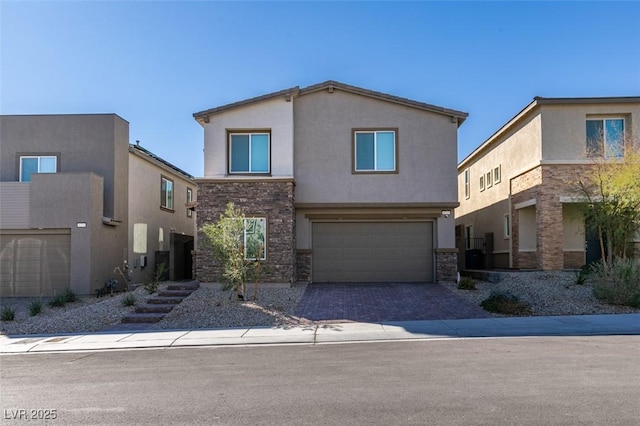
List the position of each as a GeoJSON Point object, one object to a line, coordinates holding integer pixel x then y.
{"type": "Point", "coordinates": [303, 266]}
{"type": "Point", "coordinates": [546, 184]}
{"type": "Point", "coordinates": [446, 264]}
{"type": "Point", "coordinates": [272, 199]}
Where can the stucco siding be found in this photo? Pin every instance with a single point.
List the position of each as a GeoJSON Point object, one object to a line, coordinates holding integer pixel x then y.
{"type": "Point", "coordinates": [14, 205]}
{"type": "Point", "coordinates": [273, 114]}
{"type": "Point", "coordinates": [150, 226]}
{"type": "Point", "coordinates": [564, 127]}
{"type": "Point", "coordinates": [427, 150]}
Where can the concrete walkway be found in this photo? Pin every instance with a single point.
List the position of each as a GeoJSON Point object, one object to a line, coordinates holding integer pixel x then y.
{"type": "Point", "coordinates": [581, 325]}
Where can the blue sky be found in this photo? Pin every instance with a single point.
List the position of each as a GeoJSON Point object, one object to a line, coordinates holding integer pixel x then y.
{"type": "Point", "coordinates": [156, 63]}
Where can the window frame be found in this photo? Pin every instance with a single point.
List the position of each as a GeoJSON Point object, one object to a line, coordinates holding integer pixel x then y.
{"type": "Point", "coordinates": [489, 179]}
{"type": "Point", "coordinates": [39, 157]}
{"type": "Point", "coordinates": [189, 200]}
{"type": "Point", "coordinates": [163, 203]}
{"type": "Point", "coordinates": [248, 132]}
{"type": "Point", "coordinates": [603, 152]}
{"type": "Point", "coordinates": [467, 183]}
{"type": "Point", "coordinates": [482, 185]}
{"type": "Point", "coordinates": [506, 226]}
{"type": "Point", "coordinates": [497, 174]}
{"type": "Point", "coordinates": [375, 130]}
{"type": "Point", "coordinates": [265, 235]}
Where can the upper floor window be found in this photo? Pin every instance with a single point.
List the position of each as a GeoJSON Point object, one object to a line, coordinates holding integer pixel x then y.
{"type": "Point", "coordinates": [249, 152]}
{"type": "Point", "coordinates": [166, 193]}
{"type": "Point", "coordinates": [467, 183]}
{"type": "Point", "coordinates": [375, 151]}
{"type": "Point", "coordinates": [497, 174]}
{"type": "Point", "coordinates": [605, 137]}
{"type": "Point", "coordinates": [30, 164]}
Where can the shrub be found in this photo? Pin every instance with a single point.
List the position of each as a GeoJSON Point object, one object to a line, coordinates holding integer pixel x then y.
{"type": "Point", "coordinates": [58, 301]}
{"type": "Point", "coordinates": [151, 285]}
{"type": "Point", "coordinates": [8, 313]}
{"type": "Point", "coordinates": [467, 283]}
{"type": "Point", "coordinates": [618, 283]}
{"type": "Point", "coordinates": [582, 274]}
{"type": "Point", "coordinates": [504, 302]}
{"type": "Point", "coordinates": [129, 300]}
{"type": "Point", "coordinates": [35, 307]}
{"type": "Point", "coordinates": [70, 296]}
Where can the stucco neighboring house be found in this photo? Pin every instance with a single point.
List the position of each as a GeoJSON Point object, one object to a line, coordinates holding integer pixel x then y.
{"type": "Point", "coordinates": [519, 204]}
{"type": "Point", "coordinates": [340, 183]}
{"type": "Point", "coordinates": [77, 201]}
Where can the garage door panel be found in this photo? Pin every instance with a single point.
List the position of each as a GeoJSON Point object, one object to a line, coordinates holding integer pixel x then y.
{"type": "Point", "coordinates": [34, 264]}
{"type": "Point", "coordinates": [372, 252]}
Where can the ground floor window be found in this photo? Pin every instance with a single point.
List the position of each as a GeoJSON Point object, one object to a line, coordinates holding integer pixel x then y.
{"type": "Point", "coordinates": [255, 238]}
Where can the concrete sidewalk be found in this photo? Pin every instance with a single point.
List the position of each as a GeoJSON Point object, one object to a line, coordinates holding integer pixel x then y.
{"type": "Point", "coordinates": [579, 325]}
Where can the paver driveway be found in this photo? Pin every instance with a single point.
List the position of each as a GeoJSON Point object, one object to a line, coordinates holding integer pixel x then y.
{"type": "Point", "coordinates": [377, 302]}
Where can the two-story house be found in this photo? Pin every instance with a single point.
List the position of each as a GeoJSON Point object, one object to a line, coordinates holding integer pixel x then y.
{"type": "Point", "coordinates": [518, 190]}
{"type": "Point", "coordinates": [339, 184]}
{"type": "Point", "coordinates": [77, 201]}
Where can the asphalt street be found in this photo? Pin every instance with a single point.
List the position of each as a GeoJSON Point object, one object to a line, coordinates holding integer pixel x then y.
{"type": "Point", "coordinates": [522, 380]}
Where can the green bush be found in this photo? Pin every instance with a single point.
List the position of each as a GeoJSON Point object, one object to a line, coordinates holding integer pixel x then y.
{"type": "Point", "coordinates": [504, 302]}
{"type": "Point", "coordinates": [618, 283]}
{"type": "Point", "coordinates": [7, 313]}
{"type": "Point", "coordinates": [467, 283]}
{"type": "Point", "coordinates": [35, 307]}
{"type": "Point", "coordinates": [70, 296]}
{"type": "Point", "coordinates": [129, 300]}
{"type": "Point", "coordinates": [58, 301]}
{"type": "Point", "coordinates": [582, 274]}
{"type": "Point", "coordinates": [152, 284]}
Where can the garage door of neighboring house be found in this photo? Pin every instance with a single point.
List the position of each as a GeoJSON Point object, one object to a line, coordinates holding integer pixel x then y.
{"type": "Point", "coordinates": [372, 252]}
{"type": "Point", "coordinates": [34, 264]}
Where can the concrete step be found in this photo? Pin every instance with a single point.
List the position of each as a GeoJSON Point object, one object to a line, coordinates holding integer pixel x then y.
{"type": "Point", "coordinates": [160, 300]}
{"type": "Point", "coordinates": [193, 285]}
{"type": "Point", "coordinates": [142, 318]}
{"type": "Point", "coordinates": [155, 308]}
{"type": "Point", "coordinates": [174, 293]}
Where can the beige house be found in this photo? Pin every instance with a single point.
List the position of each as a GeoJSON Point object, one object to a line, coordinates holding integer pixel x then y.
{"type": "Point", "coordinates": [339, 184]}
{"type": "Point", "coordinates": [517, 190]}
{"type": "Point", "coordinates": [77, 201]}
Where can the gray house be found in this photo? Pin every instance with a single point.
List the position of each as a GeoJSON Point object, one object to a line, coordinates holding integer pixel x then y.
{"type": "Point", "coordinates": [77, 200]}
{"type": "Point", "coordinates": [338, 184]}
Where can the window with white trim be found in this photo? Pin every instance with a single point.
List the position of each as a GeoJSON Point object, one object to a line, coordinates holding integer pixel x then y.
{"type": "Point", "coordinates": [30, 164]}
{"type": "Point", "coordinates": [250, 152]}
{"type": "Point", "coordinates": [481, 183]}
{"type": "Point", "coordinates": [605, 137]}
{"type": "Point", "coordinates": [375, 151]}
{"type": "Point", "coordinates": [166, 193]}
{"type": "Point", "coordinates": [189, 200]}
{"type": "Point", "coordinates": [467, 184]}
{"type": "Point", "coordinates": [489, 179]}
{"type": "Point", "coordinates": [497, 174]}
{"type": "Point", "coordinates": [255, 238]}
{"type": "Point", "coordinates": [507, 226]}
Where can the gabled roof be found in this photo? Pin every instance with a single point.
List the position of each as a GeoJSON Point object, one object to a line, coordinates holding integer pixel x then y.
{"type": "Point", "coordinates": [538, 101]}
{"type": "Point", "coordinates": [144, 153]}
{"type": "Point", "coordinates": [330, 85]}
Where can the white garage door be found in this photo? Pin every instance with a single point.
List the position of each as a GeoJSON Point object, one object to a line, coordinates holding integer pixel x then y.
{"type": "Point", "coordinates": [34, 264]}
{"type": "Point", "coordinates": [372, 252]}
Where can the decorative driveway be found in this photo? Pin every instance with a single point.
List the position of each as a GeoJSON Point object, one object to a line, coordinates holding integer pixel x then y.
{"type": "Point", "coordinates": [378, 302]}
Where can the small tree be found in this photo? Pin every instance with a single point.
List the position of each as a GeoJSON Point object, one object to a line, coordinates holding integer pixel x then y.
{"type": "Point", "coordinates": [225, 237]}
{"type": "Point", "coordinates": [612, 192]}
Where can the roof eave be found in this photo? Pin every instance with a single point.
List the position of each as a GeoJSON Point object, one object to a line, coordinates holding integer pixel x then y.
{"type": "Point", "coordinates": [202, 115]}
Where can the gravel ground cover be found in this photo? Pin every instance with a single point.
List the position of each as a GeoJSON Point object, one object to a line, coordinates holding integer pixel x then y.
{"type": "Point", "coordinates": [548, 293]}
{"type": "Point", "coordinates": [87, 314]}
